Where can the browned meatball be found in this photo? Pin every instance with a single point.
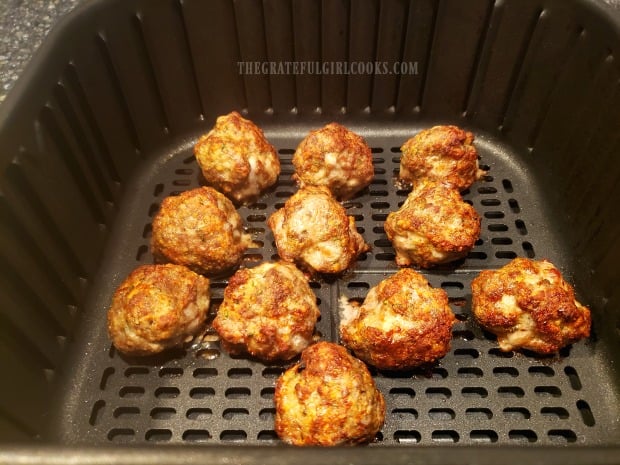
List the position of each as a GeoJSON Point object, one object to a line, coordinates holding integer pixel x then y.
{"type": "Point", "coordinates": [268, 311]}
{"type": "Point", "coordinates": [236, 159]}
{"type": "Point", "coordinates": [200, 229]}
{"type": "Point", "coordinates": [328, 399]}
{"type": "Point", "coordinates": [334, 157]}
{"type": "Point", "coordinates": [314, 231]}
{"type": "Point", "coordinates": [528, 305]}
{"type": "Point", "coordinates": [433, 226]}
{"type": "Point", "coordinates": [441, 153]}
{"type": "Point", "coordinates": [403, 323]}
{"type": "Point", "coordinates": [157, 307]}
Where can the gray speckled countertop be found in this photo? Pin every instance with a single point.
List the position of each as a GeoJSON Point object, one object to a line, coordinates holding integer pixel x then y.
{"type": "Point", "coordinates": [23, 27]}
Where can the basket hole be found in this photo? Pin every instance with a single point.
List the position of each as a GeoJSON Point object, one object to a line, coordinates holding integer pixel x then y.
{"type": "Point", "coordinates": [494, 215]}
{"type": "Point", "coordinates": [170, 372]}
{"type": "Point", "coordinates": [554, 412]}
{"type": "Point", "coordinates": [517, 413]}
{"type": "Point", "coordinates": [507, 185]}
{"type": "Point", "coordinates": [147, 231]}
{"type": "Point", "coordinates": [441, 414]}
{"type": "Point", "coordinates": [496, 352]}
{"type": "Point", "coordinates": [142, 252]}
{"type": "Point", "coordinates": [380, 205]}
{"type": "Point", "coordinates": [208, 354]}
{"type": "Point", "coordinates": [438, 393]}
{"type": "Point", "coordinates": [474, 392]}
{"type": "Point", "coordinates": [466, 353]}
{"type": "Point", "coordinates": [483, 435]}
{"type": "Point", "coordinates": [522, 435]}
{"type": "Point", "coordinates": [237, 393]}
{"type": "Point", "coordinates": [407, 436]}
{"type": "Point", "coordinates": [452, 285]}
{"type": "Point", "coordinates": [121, 434]}
{"type": "Point", "coordinates": [541, 370]}
{"type": "Point", "coordinates": [267, 414]}
{"type": "Point", "coordinates": [465, 335]}
{"type": "Point", "coordinates": [445, 436]}
{"type": "Point", "coordinates": [497, 227]}
{"type": "Point", "coordinates": [267, 435]}
{"type": "Point", "coordinates": [199, 413]}
{"type": "Point", "coordinates": [286, 151]}
{"type": "Point", "coordinates": [125, 412]}
{"type": "Point", "coordinates": [573, 378]}
{"type": "Point", "coordinates": [267, 393]}
{"type": "Point", "coordinates": [501, 241]}
{"type": "Point", "coordinates": [131, 392]}
{"type": "Point", "coordinates": [105, 377]}
{"type": "Point", "coordinates": [163, 413]}
{"type": "Point", "coordinates": [510, 391]}
{"type": "Point", "coordinates": [159, 188]}
{"type": "Point", "coordinates": [385, 257]}
{"type": "Point", "coordinates": [167, 392]}
{"type": "Point", "coordinates": [528, 248]}
{"type": "Point", "coordinates": [205, 372]}
{"type": "Point", "coordinates": [233, 413]}
{"type": "Point", "coordinates": [233, 435]}
{"type": "Point", "coordinates": [236, 373]}
{"type": "Point", "coordinates": [586, 413]}
{"type": "Point", "coordinates": [562, 435]}
{"type": "Point", "coordinates": [505, 254]}
{"type": "Point", "coordinates": [358, 284]}
{"type": "Point", "coordinates": [96, 412]}
{"type": "Point", "coordinates": [157, 435]}
{"type": "Point", "coordinates": [490, 202]}
{"type": "Point", "coordinates": [405, 413]}
{"type": "Point", "coordinates": [469, 372]}
{"type": "Point", "coordinates": [379, 216]}
{"type": "Point", "coordinates": [132, 372]}
{"type": "Point", "coordinates": [196, 435]}
{"type": "Point", "coordinates": [479, 413]}
{"type": "Point", "coordinates": [487, 190]}
{"type": "Point", "coordinates": [477, 255]}
{"type": "Point", "coordinates": [439, 373]}
{"type": "Point", "coordinates": [273, 372]}
{"type": "Point", "coordinates": [514, 206]}
{"type": "Point", "coordinates": [552, 391]}
{"type": "Point", "coordinates": [521, 227]}
{"type": "Point", "coordinates": [402, 392]}
{"type": "Point", "coordinates": [201, 392]}
{"type": "Point", "coordinates": [505, 372]}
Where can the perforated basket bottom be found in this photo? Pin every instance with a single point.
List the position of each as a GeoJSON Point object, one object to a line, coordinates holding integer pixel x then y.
{"type": "Point", "coordinates": [476, 394]}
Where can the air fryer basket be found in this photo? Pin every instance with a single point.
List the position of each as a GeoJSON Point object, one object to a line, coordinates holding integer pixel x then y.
{"type": "Point", "coordinates": [101, 128]}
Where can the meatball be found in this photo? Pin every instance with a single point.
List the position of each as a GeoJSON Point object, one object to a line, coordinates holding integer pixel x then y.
{"type": "Point", "coordinates": [236, 159]}
{"type": "Point", "coordinates": [157, 307]}
{"type": "Point", "coordinates": [334, 157]}
{"type": "Point", "coordinates": [441, 153]}
{"type": "Point", "coordinates": [433, 226]}
{"type": "Point", "coordinates": [314, 231]}
{"type": "Point", "coordinates": [528, 305]}
{"type": "Point", "coordinates": [268, 311]}
{"type": "Point", "coordinates": [403, 323]}
{"type": "Point", "coordinates": [200, 229]}
{"type": "Point", "coordinates": [327, 399]}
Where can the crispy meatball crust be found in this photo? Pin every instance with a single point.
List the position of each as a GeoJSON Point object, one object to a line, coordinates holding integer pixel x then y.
{"type": "Point", "coordinates": [441, 153]}
{"type": "Point", "coordinates": [528, 305]}
{"type": "Point", "coordinates": [314, 231]}
{"type": "Point", "coordinates": [433, 226]}
{"type": "Point", "coordinates": [268, 311]}
{"type": "Point", "coordinates": [236, 159]}
{"type": "Point", "coordinates": [157, 307]}
{"type": "Point", "coordinates": [328, 399]}
{"type": "Point", "coordinates": [334, 157]}
{"type": "Point", "coordinates": [403, 323]}
{"type": "Point", "coordinates": [200, 229]}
